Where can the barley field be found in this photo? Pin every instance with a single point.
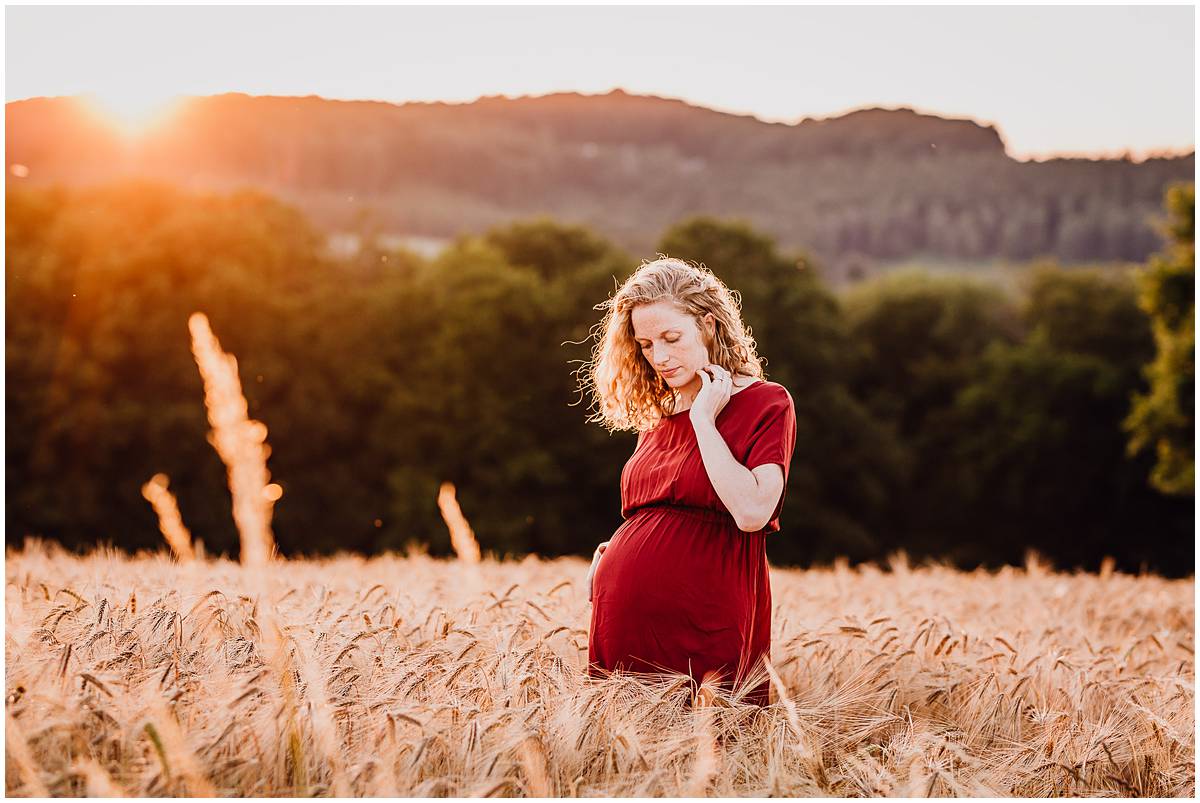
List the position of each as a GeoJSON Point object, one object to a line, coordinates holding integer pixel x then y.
{"type": "Point", "coordinates": [407, 675]}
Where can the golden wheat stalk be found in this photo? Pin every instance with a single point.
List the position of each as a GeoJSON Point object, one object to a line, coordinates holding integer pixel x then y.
{"type": "Point", "coordinates": [241, 443]}
{"type": "Point", "coordinates": [169, 521]}
{"type": "Point", "coordinates": [98, 782]}
{"type": "Point", "coordinates": [789, 707]}
{"type": "Point", "coordinates": [322, 720]}
{"type": "Point", "coordinates": [18, 749]}
{"type": "Point", "coordinates": [533, 762]}
{"type": "Point", "coordinates": [177, 754]}
{"type": "Point", "coordinates": [708, 752]}
{"type": "Point", "coordinates": [462, 538]}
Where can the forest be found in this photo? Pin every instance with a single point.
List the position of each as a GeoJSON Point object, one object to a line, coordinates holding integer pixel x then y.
{"type": "Point", "coordinates": [939, 415]}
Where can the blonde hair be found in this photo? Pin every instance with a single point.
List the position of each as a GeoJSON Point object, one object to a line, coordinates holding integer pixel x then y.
{"type": "Point", "coordinates": [627, 393]}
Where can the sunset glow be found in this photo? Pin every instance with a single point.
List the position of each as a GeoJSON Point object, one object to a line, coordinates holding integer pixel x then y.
{"type": "Point", "coordinates": [134, 112]}
{"type": "Point", "coordinates": [1053, 79]}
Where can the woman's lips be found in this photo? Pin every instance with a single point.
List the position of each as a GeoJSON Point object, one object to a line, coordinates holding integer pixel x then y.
{"type": "Point", "coordinates": [672, 372]}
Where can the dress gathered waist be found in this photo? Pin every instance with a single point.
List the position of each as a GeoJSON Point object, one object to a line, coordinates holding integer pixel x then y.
{"type": "Point", "coordinates": [704, 513]}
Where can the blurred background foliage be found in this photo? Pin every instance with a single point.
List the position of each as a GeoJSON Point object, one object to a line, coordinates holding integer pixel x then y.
{"type": "Point", "coordinates": [939, 414]}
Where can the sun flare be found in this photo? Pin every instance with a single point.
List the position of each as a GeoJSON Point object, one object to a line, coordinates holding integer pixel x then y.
{"type": "Point", "coordinates": [134, 112]}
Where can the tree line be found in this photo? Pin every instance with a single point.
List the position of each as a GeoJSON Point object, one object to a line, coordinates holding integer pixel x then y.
{"type": "Point", "coordinates": [938, 415]}
{"type": "Point", "coordinates": [870, 187]}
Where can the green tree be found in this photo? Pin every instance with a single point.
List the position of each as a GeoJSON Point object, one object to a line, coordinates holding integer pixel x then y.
{"type": "Point", "coordinates": [102, 390]}
{"type": "Point", "coordinates": [917, 342]}
{"type": "Point", "coordinates": [1033, 441]}
{"type": "Point", "coordinates": [1038, 460]}
{"type": "Point", "coordinates": [578, 270]}
{"type": "Point", "coordinates": [1165, 416]}
{"type": "Point", "coordinates": [498, 320]}
{"type": "Point", "coordinates": [1091, 311]}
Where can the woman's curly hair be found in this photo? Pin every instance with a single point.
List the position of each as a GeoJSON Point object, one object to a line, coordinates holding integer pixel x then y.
{"type": "Point", "coordinates": [627, 393]}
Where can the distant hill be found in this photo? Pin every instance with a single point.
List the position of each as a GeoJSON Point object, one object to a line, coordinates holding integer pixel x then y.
{"type": "Point", "coordinates": [870, 186]}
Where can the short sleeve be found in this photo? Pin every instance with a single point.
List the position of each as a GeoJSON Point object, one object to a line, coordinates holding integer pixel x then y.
{"type": "Point", "coordinates": [773, 439]}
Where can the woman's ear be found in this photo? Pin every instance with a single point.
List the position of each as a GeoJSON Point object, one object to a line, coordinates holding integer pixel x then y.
{"type": "Point", "coordinates": [708, 333]}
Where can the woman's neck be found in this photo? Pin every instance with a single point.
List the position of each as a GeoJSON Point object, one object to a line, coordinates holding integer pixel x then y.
{"type": "Point", "coordinates": [687, 394]}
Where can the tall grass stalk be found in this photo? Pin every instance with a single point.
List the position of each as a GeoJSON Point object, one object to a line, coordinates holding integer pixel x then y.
{"type": "Point", "coordinates": [462, 537]}
{"type": "Point", "coordinates": [170, 522]}
{"type": "Point", "coordinates": [241, 443]}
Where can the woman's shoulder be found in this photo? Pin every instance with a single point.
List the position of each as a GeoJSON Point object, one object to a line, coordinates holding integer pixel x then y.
{"type": "Point", "coordinates": [770, 392]}
{"type": "Point", "coordinates": [766, 400]}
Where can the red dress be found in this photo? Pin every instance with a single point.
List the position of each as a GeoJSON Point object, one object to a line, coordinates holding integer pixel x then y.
{"type": "Point", "coordinates": [680, 588]}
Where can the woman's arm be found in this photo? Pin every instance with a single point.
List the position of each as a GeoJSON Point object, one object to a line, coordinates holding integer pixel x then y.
{"type": "Point", "coordinates": [749, 495]}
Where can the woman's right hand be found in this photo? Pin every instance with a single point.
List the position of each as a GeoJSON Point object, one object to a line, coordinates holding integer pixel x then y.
{"type": "Point", "coordinates": [592, 570]}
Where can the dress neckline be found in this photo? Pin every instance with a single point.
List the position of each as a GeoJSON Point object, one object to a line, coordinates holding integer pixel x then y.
{"type": "Point", "coordinates": [732, 396]}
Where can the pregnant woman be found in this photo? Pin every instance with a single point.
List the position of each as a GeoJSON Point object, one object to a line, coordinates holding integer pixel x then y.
{"type": "Point", "coordinates": [682, 585]}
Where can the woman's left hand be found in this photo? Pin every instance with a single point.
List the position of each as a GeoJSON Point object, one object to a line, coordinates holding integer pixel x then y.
{"type": "Point", "coordinates": [592, 569]}
{"type": "Point", "coordinates": [716, 386]}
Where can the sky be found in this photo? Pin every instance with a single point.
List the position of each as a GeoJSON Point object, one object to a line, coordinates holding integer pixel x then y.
{"type": "Point", "coordinates": [1061, 80]}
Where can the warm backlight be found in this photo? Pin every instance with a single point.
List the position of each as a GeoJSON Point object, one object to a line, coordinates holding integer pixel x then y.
{"type": "Point", "coordinates": [134, 112]}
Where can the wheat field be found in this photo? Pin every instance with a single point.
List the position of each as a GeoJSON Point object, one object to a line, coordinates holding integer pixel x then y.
{"type": "Point", "coordinates": [405, 675]}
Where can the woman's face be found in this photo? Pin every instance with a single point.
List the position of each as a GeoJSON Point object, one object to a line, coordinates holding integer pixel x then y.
{"type": "Point", "coordinates": [671, 342]}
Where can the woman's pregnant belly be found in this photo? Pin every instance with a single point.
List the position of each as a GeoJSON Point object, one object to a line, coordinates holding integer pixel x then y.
{"type": "Point", "coordinates": [676, 585]}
